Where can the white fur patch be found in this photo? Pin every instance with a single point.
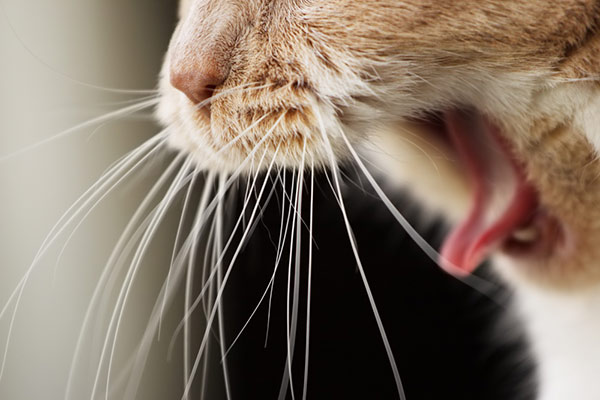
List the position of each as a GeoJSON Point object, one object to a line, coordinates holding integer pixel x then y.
{"type": "Point", "coordinates": [565, 336]}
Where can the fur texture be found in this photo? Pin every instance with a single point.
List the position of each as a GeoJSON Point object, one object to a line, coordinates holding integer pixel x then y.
{"type": "Point", "coordinates": [300, 74]}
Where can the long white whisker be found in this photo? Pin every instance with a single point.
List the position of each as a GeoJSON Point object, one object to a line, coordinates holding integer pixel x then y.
{"type": "Point", "coordinates": [291, 324]}
{"type": "Point", "coordinates": [239, 136]}
{"type": "Point", "coordinates": [85, 215]}
{"type": "Point", "coordinates": [121, 253]}
{"type": "Point", "coordinates": [214, 203]}
{"type": "Point", "coordinates": [114, 114]}
{"type": "Point", "coordinates": [178, 234]}
{"type": "Point", "coordinates": [195, 234]}
{"type": "Point", "coordinates": [116, 318]}
{"type": "Point", "coordinates": [225, 92]}
{"type": "Point", "coordinates": [207, 306]}
{"type": "Point", "coordinates": [99, 186]}
{"type": "Point", "coordinates": [270, 283]}
{"type": "Point", "coordinates": [127, 233]}
{"type": "Point", "coordinates": [279, 254]}
{"type": "Point", "coordinates": [221, 318]}
{"type": "Point", "coordinates": [382, 332]}
{"type": "Point", "coordinates": [361, 270]}
{"type": "Point", "coordinates": [211, 276]}
{"type": "Point", "coordinates": [225, 279]}
{"type": "Point", "coordinates": [176, 277]}
{"type": "Point", "coordinates": [50, 238]}
{"type": "Point", "coordinates": [481, 285]}
{"type": "Point", "coordinates": [309, 284]}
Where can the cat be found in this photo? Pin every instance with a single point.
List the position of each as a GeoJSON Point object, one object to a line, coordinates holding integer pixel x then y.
{"type": "Point", "coordinates": [503, 94]}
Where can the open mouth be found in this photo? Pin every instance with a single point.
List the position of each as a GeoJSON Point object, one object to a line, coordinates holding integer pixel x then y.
{"type": "Point", "coordinates": [505, 212]}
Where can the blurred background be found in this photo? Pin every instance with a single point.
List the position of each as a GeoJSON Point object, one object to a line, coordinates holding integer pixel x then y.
{"type": "Point", "coordinates": [57, 55]}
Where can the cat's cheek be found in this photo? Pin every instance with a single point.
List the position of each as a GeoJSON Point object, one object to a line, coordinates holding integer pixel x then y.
{"type": "Point", "coordinates": [413, 159]}
{"type": "Point", "coordinates": [588, 120]}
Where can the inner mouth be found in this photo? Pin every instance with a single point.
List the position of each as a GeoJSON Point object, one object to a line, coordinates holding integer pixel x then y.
{"type": "Point", "coordinates": [505, 212]}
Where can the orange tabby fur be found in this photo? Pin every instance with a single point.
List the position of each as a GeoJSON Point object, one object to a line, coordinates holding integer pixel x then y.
{"type": "Point", "coordinates": [297, 70]}
{"type": "Point", "coordinates": [355, 65]}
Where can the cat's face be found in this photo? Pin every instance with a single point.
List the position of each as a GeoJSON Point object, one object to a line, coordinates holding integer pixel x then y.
{"type": "Point", "coordinates": [496, 84]}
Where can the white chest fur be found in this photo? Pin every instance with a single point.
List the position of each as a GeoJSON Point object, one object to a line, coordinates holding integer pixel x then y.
{"type": "Point", "coordinates": [565, 336]}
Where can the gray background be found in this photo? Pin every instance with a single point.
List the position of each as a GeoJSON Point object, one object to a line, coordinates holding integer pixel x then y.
{"type": "Point", "coordinates": [45, 46]}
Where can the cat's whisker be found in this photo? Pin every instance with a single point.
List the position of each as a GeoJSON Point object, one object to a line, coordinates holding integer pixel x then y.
{"type": "Point", "coordinates": [226, 277]}
{"type": "Point", "coordinates": [138, 116]}
{"type": "Point", "coordinates": [481, 285]}
{"type": "Point", "coordinates": [352, 239]}
{"type": "Point", "coordinates": [118, 171]}
{"type": "Point", "coordinates": [239, 136]}
{"type": "Point", "coordinates": [262, 206]}
{"type": "Point", "coordinates": [295, 251]}
{"type": "Point", "coordinates": [183, 177]}
{"type": "Point", "coordinates": [124, 252]}
{"type": "Point", "coordinates": [125, 243]}
{"type": "Point", "coordinates": [209, 209]}
{"type": "Point", "coordinates": [309, 280]}
{"type": "Point", "coordinates": [166, 295]}
{"type": "Point", "coordinates": [271, 280]}
{"type": "Point", "coordinates": [155, 317]}
{"type": "Point", "coordinates": [114, 114]}
{"type": "Point", "coordinates": [278, 258]}
{"type": "Point", "coordinates": [194, 236]}
{"type": "Point", "coordinates": [210, 258]}
{"type": "Point", "coordinates": [188, 282]}
{"type": "Point", "coordinates": [87, 213]}
{"type": "Point", "coordinates": [286, 380]}
{"type": "Point", "coordinates": [152, 95]}
{"type": "Point", "coordinates": [60, 226]}
{"type": "Point", "coordinates": [211, 276]}
{"type": "Point", "coordinates": [250, 177]}
{"type": "Point", "coordinates": [220, 275]}
{"type": "Point", "coordinates": [374, 308]}
{"type": "Point", "coordinates": [277, 262]}
{"type": "Point", "coordinates": [246, 87]}
{"type": "Point", "coordinates": [111, 173]}
{"type": "Point", "coordinates": [178, 234]}
{"type": "Point", "coordinates": [280, 247]}
{"type": "Point", "coordinates": [116, 318]}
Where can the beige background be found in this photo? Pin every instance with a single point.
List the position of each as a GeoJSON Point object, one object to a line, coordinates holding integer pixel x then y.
{"type": "Point", "coordinates": [45, 46]}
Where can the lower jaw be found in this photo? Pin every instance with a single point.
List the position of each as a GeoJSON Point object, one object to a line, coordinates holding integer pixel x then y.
{"type": "Point", "coordinates": [535, 238]}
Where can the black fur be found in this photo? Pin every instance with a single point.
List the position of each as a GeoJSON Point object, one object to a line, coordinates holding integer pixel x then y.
{"type": "Point", "coordinates": [443, 333]}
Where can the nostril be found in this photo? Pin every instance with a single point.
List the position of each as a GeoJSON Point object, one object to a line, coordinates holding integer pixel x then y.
{"type": "Point", "coordinates": [196, 85]}
{"type": "Point", "coordinates": [197, 78]}
{"type": "Point", "coordinates": [209, 90]}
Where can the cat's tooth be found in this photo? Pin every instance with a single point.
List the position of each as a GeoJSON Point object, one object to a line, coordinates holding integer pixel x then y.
{"type": "Point", "coordinates": [528, 234]}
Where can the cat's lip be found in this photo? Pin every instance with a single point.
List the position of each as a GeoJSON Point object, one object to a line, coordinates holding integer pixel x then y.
{"type": "Point", "coordinates": [505, 212]}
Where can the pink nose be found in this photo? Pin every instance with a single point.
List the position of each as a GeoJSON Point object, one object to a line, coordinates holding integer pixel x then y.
{"type": "Point", "coordinates": [198, 80]}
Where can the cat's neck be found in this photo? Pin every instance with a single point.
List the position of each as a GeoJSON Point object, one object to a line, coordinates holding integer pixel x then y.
{"type": "Point", "coordinates": [565, 336]}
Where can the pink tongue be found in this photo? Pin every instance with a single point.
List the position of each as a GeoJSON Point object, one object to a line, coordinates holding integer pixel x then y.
{"type": "Point", "coordinates": [502, 200]}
